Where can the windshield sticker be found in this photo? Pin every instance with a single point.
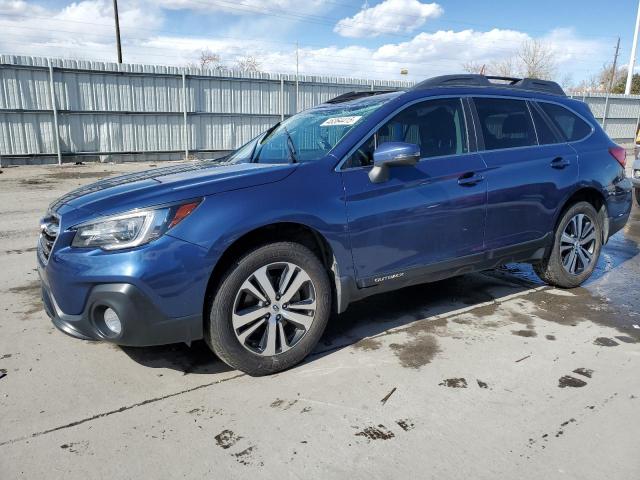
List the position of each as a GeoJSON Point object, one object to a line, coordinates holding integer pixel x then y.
{"type": "Point", "coordinates": [338, 121]}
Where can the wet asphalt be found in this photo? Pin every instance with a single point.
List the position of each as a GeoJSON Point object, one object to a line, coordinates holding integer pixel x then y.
{"type": "Point", "coordinates": [489, 375]}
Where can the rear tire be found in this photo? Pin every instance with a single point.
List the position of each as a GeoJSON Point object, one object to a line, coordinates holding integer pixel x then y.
{"type": "Point", "coordinates": [576, 248]}
{"type": "Point", "coordinates": [270, 309]}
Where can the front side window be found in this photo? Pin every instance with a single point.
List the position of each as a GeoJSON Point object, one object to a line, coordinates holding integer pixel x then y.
{"type": "Point", "coordinates": [309, 135]}
{"type": "Point", "coordinates": [572, 127]}
{"type": "Point", "coordinates": [505, 123]}
{"type": "Point", "coordinates": [436, 126]}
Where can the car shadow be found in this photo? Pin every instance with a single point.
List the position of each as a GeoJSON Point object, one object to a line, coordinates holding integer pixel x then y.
{"type": "Point", "coordinates": [363, 319]}
{"type": "Point", "coordinates": [194, 359]}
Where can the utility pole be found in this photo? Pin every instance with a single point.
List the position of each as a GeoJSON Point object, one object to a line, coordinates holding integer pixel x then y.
{"type": "Point", "coordinates": [615, 66]}
{"type": "Point", "coordinates": [613, 77]}
{"type": "Point", "coordinates": [117, 20]}
{"type": "Point", "coordinates": [297, 73]}
{"type": "Point", "coordinates": [632, 61]}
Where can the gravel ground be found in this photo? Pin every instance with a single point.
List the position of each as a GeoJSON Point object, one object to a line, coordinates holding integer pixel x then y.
{"type": "Point", "coordinates": [485, 376]}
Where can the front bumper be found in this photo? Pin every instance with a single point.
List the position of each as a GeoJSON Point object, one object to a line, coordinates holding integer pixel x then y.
{"type": "Point", "coordinates": [157, 291]}
{"type": "Point", "coordinates": [142, 323]}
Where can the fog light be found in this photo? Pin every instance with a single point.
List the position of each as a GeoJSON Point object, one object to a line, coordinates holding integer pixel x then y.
{"type": "Point", "coordinates": [112, 321]}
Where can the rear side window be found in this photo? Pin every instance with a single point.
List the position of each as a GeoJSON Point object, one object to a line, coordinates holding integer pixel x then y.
{"type": "Point", "coordinates": [505, 123]}
{"type": "Point", "coordinates": [546, 135]}
{"type": "Point", "coordinates": [570, 125]}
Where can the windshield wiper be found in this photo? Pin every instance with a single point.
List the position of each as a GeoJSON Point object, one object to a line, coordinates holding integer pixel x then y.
{"type": "Point", "coordinates": [291, 146]}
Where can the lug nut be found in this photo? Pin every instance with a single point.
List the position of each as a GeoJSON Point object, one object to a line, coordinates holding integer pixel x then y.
{"type": "Point", "coordinates": [278, 317]}
{"type": "Point", "coordinates": [285, 306]}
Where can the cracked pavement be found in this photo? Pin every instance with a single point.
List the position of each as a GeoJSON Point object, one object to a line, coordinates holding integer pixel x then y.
{"type": "Point", "coordinates": [485, 376]}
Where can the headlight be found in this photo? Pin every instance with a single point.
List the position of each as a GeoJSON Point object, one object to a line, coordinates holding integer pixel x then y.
{"type": "Point", "coordinates": [636, 174]}
{"type": "Point", "coordinates": [131, 229]}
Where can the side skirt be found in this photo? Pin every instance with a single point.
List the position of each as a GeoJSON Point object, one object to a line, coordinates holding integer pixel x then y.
{"type": "Point", "coordinates": [523, 252]}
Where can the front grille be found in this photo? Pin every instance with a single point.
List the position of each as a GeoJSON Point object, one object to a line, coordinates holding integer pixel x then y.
{"type": "Point", "coordinates": [49, 228]}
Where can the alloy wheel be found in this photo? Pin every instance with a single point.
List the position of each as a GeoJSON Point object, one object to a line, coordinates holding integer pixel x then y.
{"type": "Point", "coordinates": [578, 244]}
{"type": "Point", "coordinates": [274, 308]}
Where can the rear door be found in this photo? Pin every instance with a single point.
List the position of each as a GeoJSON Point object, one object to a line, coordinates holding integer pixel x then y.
{"type": "Point", "coordinates": [424, 215]}
{"type": "Point", "coordinates": [530, 171]}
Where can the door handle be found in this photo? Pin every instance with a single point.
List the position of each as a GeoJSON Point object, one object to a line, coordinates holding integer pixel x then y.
{"type": "Point", "coordinates": [470, 179]}
{"type": "Point", "coordinates": [560, 163]}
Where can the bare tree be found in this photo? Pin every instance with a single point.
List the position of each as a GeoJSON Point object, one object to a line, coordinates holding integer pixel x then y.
{"type": "Point", "coordinates": [207, 59]}
{"type": "Point", "coordinates": [506, 67]}
{"type": "Point", "coordinates": [537, 60]}
{"type": "Point", "coordinates": [607, 77]}
{"type": "Point", "coordinates": [534, 59]}
{"type": "Point", "coordinates": [248, 64]}
{"type": "Point", "coordinates": [473, 67]}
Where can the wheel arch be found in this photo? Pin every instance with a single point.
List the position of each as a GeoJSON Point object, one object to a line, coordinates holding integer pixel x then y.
{"type": "Point", "coordinates": [270, 233]}
{"type": "Point", "coordinates": [593, 196]}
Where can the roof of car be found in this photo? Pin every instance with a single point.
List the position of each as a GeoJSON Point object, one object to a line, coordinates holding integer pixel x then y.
{"type": "Point", "coordinates": [547, 87]}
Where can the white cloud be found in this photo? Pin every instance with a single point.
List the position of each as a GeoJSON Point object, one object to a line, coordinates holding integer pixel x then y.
{"type": "Point", "coordinates": [242, 7]}
{"type": "Point", "coordinates": [85, 30]}
{"type": "Point", "coordinates": [390, 16]}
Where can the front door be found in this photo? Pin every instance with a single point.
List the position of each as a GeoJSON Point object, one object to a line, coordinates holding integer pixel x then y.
{"type": "Point", "coordinates": [428, 215]}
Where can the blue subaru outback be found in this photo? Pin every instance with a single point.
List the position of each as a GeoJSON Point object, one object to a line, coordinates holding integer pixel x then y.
{"type": "Point", "coordinates": [367, 193]}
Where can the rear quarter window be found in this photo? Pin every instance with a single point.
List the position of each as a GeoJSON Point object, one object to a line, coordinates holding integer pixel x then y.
{"type": "Point", "coordinates": [571, 126]}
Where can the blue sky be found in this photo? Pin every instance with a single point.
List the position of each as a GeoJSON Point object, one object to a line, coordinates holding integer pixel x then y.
{"type": "Point", "coordinates": [374, 39]}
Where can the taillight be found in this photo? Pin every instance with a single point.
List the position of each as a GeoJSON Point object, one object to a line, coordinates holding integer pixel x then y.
{"type": "Point", "coordinates": [620, 154]}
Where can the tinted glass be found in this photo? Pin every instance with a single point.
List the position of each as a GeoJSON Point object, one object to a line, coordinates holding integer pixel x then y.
{"type": "Point", "coordinates": [571, 126]}
{"type": "Point", "coordinates": [436, 126]}
{"type": "Point", "coordinates": [505, 123]}
{"type": "Point", "coordinates": [545, 133]}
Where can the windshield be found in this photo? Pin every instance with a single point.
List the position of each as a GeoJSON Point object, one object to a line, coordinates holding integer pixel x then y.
{"type": "Point", "coordinates": [309, 135]}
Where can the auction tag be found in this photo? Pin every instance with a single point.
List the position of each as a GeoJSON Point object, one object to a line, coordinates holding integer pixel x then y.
{"type": "Point", "coordinates": [336, 121]}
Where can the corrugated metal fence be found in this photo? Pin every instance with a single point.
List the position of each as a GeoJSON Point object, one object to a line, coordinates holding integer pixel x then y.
{"type": "Point", "coordinates": [64, 110]}
{"type": "Point", "coordinates": [145, 111]}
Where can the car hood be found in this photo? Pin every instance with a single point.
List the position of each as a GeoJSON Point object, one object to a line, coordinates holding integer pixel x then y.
{"type": "Point", "coordinates": [167, 184]}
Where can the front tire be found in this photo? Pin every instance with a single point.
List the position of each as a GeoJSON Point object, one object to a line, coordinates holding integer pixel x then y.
{"type": "Point", "coordinates": [270, 309]}
{"type": "Point", "coordinates": [576, 248]}
{"type": "Point", "coordinates": [637, 193]}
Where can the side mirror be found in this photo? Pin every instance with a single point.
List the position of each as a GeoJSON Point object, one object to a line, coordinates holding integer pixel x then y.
{"type": "Point", "coordinates": [392, 154]}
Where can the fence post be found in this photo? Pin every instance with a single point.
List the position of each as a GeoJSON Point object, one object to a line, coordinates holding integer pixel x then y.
{"type": "Point", "coordinates": [185, 125]}
{"type": "Point", "coordinates": [606, 110]}
{"type": "Point", "coordinates": [281, 98]}
{"type": "Point", "coordinates": [55, 112]}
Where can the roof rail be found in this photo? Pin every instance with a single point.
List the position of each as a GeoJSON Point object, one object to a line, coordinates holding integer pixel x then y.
{"type": "Point", "coordinates": [475, 80]}
{"type": "Point", "coordinates": [346, 97]}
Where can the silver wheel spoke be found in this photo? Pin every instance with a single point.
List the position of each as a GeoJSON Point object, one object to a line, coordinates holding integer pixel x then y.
{"type": "Point", "coordinates": [588, 239]}
{"type": "Point", "coordinates": [265, 283]}
{"type": "Point", "coordinates": [585, 257]}
{"type": "Point", "coordinates": [248, 315]}
{"type": "Point", "coordinates": [247, 286]}
{"type": "Point", "coordinates": [564, 248]}
{"type": "Point", "coordinates": [284, 346]}
{"type": "Point", "coordinates": [243, 336]}
{"type": "Point", "coordinates": [286, 278]}
{"type": "Point", "coordinates": [305, 305]}
{"type": "Point", "coordinates": [569, 259]}
{"type": "Point", "coordinates": [579, 223]}
{"type": "Point", "coordinates": [566, 238]}
{"type": "Point", "coordinates": [588, 230]}
{"type": "Point", "coordinates": [298, 318]}
{"type": "Point", "coordinates": [270, 341]}
{"type": "Point", "coordinates": [299, 280]}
